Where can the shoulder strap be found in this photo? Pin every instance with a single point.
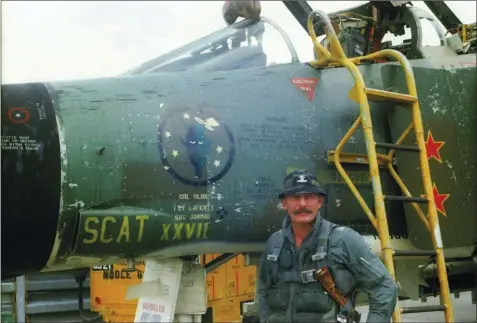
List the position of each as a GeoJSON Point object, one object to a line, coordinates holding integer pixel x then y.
{"type": "Point", "coordinates": [319, 257]}
{"type": "Point", "coordinates": [275, 247]}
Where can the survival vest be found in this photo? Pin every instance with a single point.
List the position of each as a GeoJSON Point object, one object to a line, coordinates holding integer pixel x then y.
{"type": "Point", "coordinates": [277, 242]}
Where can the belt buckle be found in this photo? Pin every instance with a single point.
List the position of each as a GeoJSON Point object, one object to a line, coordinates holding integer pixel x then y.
{"type": "Point", "coordinates": [308, 276]}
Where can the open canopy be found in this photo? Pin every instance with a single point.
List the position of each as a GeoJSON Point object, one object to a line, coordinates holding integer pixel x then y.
{"type": "Point", "coordinates": [241, 45]}
{"type": "Point", "coordinates": [248, 43]}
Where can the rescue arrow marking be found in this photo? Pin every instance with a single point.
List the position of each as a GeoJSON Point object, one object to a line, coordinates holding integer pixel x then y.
{"type": "Point", "coordinates": [439, 200]}
{"type": "Point", "coordinates": [433, 147]}
{"type": "Point", "coordinates": [307, 85]}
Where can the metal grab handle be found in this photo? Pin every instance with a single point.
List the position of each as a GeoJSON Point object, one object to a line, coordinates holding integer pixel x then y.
{"type": "Point", "coordinates": [418, 13]}
{"type": "Point", "coordinates": [336, 49]}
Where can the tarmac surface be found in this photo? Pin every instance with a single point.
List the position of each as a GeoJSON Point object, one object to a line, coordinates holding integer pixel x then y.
{"type": "Point", "coordinates": [464, 310]}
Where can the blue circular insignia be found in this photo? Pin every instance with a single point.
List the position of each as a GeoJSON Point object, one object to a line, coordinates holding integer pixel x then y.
{"type": "Point", "coordinates": [195, 147]}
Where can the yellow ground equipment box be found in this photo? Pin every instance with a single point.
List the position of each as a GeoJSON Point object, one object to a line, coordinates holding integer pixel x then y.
{"type": "Point", "coordinates": [227, 288]}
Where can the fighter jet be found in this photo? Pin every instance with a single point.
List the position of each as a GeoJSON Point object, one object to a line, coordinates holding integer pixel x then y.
{"type": "Point", "coordinates": [185, 154]}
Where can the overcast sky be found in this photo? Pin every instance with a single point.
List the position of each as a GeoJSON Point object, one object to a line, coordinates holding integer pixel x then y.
{"type": "Point", "coordinates": [55, 40]}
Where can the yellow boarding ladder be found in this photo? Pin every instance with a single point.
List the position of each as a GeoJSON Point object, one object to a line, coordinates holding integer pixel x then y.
{"type": "Point", "coordinates": [337, 57]}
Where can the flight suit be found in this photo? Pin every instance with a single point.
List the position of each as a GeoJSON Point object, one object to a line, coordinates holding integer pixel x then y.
{"type": "Point", "coordinates": [284, 297]}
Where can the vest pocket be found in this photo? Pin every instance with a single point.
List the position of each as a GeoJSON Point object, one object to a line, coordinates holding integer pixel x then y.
{"type": "Point", "coordinates": [312, 301]}
{"type": "Point", "coordinates": [278, 298]}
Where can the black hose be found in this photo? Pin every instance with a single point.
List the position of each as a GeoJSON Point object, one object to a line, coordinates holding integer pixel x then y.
{"type": "Point", "coordinates": [80, 279]}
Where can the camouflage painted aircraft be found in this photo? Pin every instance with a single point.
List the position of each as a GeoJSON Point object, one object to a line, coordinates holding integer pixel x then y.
{"type": "Point", "coordinates": [185, 154]}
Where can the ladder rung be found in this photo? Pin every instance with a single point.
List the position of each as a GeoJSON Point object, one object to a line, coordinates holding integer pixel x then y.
{"type": "Point", "coordinates": [352, 158]}
{"type": "Point", "coordinates": [416, 253]}
{"type": "Point", "coordinates": [397, 147]}
{"type": "Point", "coordinates": [380, 95]}
{"type": "Point", "coordinates": [405, 199]}
{"type": "Point", "coordinates": [423, 309]}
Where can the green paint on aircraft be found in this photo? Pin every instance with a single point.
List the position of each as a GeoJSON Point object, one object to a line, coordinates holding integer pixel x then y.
{"type": "Point", "coordinates": [185, 156]}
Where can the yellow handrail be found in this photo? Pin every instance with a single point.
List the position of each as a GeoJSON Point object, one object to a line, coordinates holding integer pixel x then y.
{"type": "Point", "coordinates": [354, 190]}
{"type": "Point", "coordinates": [337, 56]}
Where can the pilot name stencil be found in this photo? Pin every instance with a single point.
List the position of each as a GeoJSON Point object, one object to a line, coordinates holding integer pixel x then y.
{"type": "Point", "coordinates": [195, 196]}
{"type": "Point", "coordinates": [192, 207]}
{"type": "Point", "coordinates": [192, 212]}
{"type": "Point", "coordinates": [195, 147]}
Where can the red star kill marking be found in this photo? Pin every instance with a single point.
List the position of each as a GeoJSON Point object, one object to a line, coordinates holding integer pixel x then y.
{"type": "Point", "coordinates": [439, 200]}
{"type": "Point", "coordinates": [433, 147]}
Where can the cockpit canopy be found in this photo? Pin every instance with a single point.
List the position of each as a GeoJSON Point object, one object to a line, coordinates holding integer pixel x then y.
{"type": "Point", "coordinates": [244, 44]}
{"type": "Point", "coordinates": [250, 43]}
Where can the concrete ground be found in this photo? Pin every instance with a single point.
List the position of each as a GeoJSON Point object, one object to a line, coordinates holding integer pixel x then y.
{"type": "Point", "coordinates": [464, 310]}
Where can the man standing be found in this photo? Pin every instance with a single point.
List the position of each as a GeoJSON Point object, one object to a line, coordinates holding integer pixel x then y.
{"type": "Point", "coordinates": [308, 242]}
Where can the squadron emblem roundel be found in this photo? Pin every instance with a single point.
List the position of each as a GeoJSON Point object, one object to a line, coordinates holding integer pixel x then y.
{"type": "Point", "coordinates": [195, 147]}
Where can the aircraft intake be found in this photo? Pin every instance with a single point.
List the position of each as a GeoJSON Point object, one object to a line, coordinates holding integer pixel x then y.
{"type": "Point", "coordinates": [31, 177]}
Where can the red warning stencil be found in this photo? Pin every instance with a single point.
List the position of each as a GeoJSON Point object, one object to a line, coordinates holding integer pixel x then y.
{"type": "Point", "coordinates": [307, 85]}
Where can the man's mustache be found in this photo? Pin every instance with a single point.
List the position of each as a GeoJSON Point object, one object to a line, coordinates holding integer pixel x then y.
{"type": "Point", "coordinates": [302, 210]}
